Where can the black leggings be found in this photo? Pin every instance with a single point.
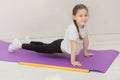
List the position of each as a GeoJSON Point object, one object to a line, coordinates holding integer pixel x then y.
{"type": "Point", "coordinates": [53, 47]}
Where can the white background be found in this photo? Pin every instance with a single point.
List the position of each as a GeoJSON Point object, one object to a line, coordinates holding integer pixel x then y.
{"type": "Point", "coordinates": [49, 18]}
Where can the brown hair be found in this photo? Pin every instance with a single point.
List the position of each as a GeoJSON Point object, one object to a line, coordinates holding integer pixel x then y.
{"type": "Point", "coordinates": [75, 10]}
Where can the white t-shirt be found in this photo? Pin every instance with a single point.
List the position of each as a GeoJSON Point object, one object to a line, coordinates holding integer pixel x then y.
{"type": "Point", "coordinates": [71, 33]}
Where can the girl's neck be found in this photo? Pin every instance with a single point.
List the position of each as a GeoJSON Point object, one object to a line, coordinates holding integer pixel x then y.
{"type": "Point", "coordinates": [80, 26]}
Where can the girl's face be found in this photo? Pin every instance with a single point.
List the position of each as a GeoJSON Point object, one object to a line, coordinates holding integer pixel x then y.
{"type": "Point", "coordinates": [81, 17]}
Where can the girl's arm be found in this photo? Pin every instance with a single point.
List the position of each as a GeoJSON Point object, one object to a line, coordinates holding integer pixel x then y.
{"type": "Point", "coordinates": [85, 47]}
{"type": "Point", "coordinates": [74, 62]}
{"type": "Point", "coordinates": [85, 44]}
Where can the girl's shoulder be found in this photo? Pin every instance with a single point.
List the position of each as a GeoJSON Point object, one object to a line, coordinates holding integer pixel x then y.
{"type": "Point", "coordinates": [71, 27]}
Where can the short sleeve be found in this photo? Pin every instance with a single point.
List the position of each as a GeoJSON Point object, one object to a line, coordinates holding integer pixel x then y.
{"type": "Point", "coordinates": [72, 34]}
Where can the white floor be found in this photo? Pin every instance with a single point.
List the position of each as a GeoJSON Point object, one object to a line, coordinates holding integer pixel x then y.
{"type": "Point", "coordinates": [14, 71]}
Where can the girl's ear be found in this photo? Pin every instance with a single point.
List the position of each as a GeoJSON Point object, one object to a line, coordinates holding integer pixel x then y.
{"type": "Point", "coordinates": [74, 17]}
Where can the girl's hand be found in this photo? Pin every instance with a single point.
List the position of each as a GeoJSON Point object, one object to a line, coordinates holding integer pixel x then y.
{"type": "Point", "coordinates": [76, 63]}
{"type": "Point", "coordinates": [88, 54]}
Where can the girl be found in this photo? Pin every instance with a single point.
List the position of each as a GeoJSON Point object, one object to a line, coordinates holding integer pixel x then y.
{"type": "Point", "coordinates": [74, 34]}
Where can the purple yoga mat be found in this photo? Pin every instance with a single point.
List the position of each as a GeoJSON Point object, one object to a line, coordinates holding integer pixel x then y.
{"type": "Point", "coordinates": [100, 62]}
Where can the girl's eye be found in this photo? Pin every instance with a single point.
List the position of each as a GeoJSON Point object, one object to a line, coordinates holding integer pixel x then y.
{"type": "Point", "coordinates": [86, 15]}
{"type": "Point", "coordinates": [83, 15]}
